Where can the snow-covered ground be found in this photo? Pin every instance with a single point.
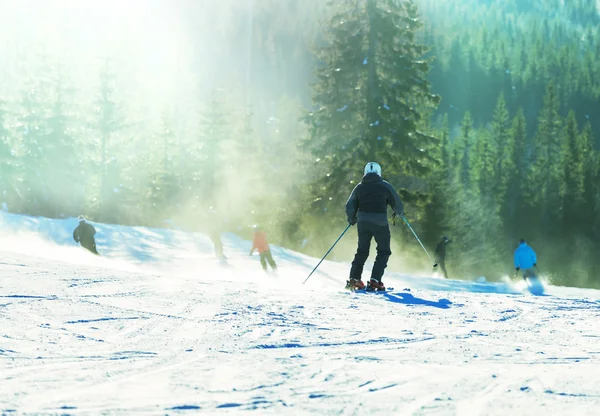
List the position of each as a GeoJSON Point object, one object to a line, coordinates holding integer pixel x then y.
{"type": "Point", "coordinates": [156, 326]}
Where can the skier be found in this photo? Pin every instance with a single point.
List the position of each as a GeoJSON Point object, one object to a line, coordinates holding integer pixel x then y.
{"type": "Point", "coordinates": [526, 259]}
{"type": "Point", "coordinates": [84, 235]}
{"type": "Point", "coordinates": [440, 255]}
{"type": "Point", "coordinates": [214, 228]}
{"type": "Point", "coordinates": [259, 242]}
{"type": "Point", "coordinates": [367, 206]}
{"type": "Point", "coordinates": [215, 237]}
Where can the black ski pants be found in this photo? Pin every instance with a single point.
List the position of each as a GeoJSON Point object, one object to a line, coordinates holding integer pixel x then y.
{"type": "Point", "coordinates": [381, 234]}
{"type": "Point", "coordinates": [442, 265]}
{"type": "Point", "coordinates": [265, 257]}
{"type": "Point", "coordinates": [90, 245]}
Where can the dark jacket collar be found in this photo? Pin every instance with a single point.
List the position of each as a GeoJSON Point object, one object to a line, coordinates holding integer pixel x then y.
{"type": "Point", "coordinates": [371, 178]}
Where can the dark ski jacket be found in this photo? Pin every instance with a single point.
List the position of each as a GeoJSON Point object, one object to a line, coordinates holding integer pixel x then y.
{"type": "Point", "coordinates": [84, 235]}
{"type": "Point", "coordinates": [369, 200]}
{"type": "Point", "coordinates": [440, 250]}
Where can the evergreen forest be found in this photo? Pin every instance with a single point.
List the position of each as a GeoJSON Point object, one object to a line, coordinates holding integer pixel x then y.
{"type": "Point", "coordinates": [204, 115]}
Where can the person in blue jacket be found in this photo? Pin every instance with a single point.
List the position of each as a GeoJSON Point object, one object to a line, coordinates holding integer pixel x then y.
{"type": "Point", "coordinates": [525, 259]}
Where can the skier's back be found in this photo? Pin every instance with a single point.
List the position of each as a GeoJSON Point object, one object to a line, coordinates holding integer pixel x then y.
{"type": "Point", "coordinates": [367, 206]}
{"type": "Point", "coordinates": [84, 234]}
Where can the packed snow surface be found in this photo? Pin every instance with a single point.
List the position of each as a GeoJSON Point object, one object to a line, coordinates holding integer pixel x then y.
{"type": "Point", "coordinates": [157, 326]}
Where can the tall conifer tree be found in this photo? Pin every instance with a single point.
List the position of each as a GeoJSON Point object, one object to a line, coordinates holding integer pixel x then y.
{"type": "Point", "coordinates": [371, 86]}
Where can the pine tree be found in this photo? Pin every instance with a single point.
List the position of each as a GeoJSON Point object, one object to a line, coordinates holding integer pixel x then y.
{"type": "Point", "coordinates": [214, 138]}
{"type": "Point", "coordinates": [547, 184]}
{"type": "Point", "coordinates": [461, 155]}
{"type": "Point", "coordinates": [370, 91]}
{"type": "Point", "coordinates": [8, 161]}
{"type": "Point", "coordinates": [31, 128]}
{"type": "Point", "coordinates": [517, 185]}
{"type": "Point", "coordinates": [247, 181]}
{"type": "Point", "coordinates": [286, 198]}
{"type": "Point", "coordinates": [590, 212]}
{"type": "Point", "coordinates": [445, 150]}
{"type": "Point", "coordinates": [436, 211]}
{"type": "Point", "coordinates": [65, 188]}
{"type": "Point", "coordinates": [575, 155]}
{"type": "Point", "coordinates": [474, 230]}
{"type": "Point", "coordinates": [484, 168]}
{"type": "Point", "coordinates": [594, 198]}
{"type": "Point", "coordinates": [208, 165]}
{"type": "Point", "coordinates": [502, 152]}
{"type": "Point", "coordinates": [109, 124]}
{"type": "Point", "coordinates": [163, 193]}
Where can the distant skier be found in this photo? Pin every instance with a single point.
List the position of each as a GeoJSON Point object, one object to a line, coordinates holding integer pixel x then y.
{"type": "Point", "coordinates": [84, 235]}
{"type": "Point", "coordinates": [367, 206]}
{"type": "Point", "coordinates": [259, 242]}
{"type": "Point", "coordinates": [214, 228]}
{"type": "Point", "coordinates": [525, 259]}
{"type": "Point", "coordinates": [215, 237]}
{"type": "Point", "coordinates": [440, 255]}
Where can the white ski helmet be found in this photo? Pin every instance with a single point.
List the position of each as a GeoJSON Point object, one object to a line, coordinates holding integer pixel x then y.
{"type": "Point", "coordinates": [373, 167]}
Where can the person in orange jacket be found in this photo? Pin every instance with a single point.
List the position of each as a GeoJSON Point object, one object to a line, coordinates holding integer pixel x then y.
{"type": "Point", "coordinates": [259, 242]}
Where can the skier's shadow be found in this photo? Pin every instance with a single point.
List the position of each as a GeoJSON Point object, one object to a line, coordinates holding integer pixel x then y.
{"type": "Point", "coordinates": [408, 299]}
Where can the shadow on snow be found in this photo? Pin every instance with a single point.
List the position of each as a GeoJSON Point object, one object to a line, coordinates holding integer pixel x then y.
{"type": "Point", "coordinates": [408, 299]}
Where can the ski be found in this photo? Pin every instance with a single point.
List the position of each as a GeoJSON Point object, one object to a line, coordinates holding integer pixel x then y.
{"type": "Point", "coordinates": [364, 290]}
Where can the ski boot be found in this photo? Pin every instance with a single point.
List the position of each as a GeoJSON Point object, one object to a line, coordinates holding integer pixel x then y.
{"type": "Point", "coordinates": [375, 285]}
{"type": "Point", "coordinates": [354, 284]}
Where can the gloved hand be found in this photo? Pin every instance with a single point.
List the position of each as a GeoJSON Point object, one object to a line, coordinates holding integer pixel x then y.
{"type": "Point", "coordinates": [400, 214]}
{"type": "Point", "coordinates": [534, 264]}
{"type": "Point", "coordinates": [352, 221]}
{"type": "Point", "coordinates": [518, 268]}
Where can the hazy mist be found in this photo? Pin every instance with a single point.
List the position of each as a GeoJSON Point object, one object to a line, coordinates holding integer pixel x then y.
{"type": "Point", "coordinates": [193, 114]}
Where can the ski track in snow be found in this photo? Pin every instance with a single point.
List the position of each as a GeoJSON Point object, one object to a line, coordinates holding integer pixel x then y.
{"type": "Point", "coordinates": [82, 335]}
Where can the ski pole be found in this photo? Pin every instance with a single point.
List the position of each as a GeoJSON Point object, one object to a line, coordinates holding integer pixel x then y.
{"type": "Point", "coordinates": [336, 241]}
{"type": "Point", "coordinates": [415, 234]}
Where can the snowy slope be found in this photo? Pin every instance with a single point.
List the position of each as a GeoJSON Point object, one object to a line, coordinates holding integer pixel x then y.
{"type": "Point", "coordinates": [156, 326]}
